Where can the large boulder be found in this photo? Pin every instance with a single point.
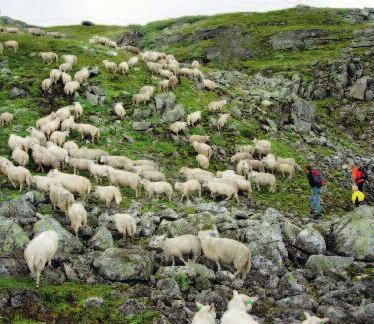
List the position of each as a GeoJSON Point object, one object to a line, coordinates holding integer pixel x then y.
{"type": "Point", "coordinates": [13, 239]}
{"type": "Point", "coordinates": [125, 265]}
{"type": "Point", "coordinates": [293, 39]}
{"type": "Point", "coordinates": [174, 114]}
{"type": "Point", "coordinates": [359, 88]}
{"type": "Point", "coordinates": [19, 208]}
{"type": "Point", "coordinates": [67, 242]}
{"type": "Point", "coordinates": [311, 241]}
{"type": "Point", "coordinates": [323, 262]}
{"type": "Point", "coordinates": [302, 115]}
{"type": "Point", "coordinates": [165, 102]}
{"type": "Point", "coordinates": [102, 239]}
{"type": "Point", "coordinates": [95, 95]}
{"type": "Point", "coordinates": [353, 234]}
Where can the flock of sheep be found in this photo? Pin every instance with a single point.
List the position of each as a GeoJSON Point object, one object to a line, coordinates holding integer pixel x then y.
{"type": "Point", "coordinates": [48, 146]}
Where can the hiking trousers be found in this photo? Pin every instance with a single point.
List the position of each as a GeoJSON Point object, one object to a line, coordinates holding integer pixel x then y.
{"type": "Point", "coordinates": [315, 200]}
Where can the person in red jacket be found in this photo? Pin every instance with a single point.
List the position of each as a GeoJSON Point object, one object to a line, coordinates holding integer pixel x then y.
{"type": "Point", "coordinates": [358, 176]}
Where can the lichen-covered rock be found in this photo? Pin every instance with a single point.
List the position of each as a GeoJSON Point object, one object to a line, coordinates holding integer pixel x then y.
{"type": "Point", "coordinates": [291, 284]}
{"type": "Point", "coordinates": [165, 102]}
{"type": "Point", "coordinates": [167, 290]}
{"type": "Point", "coordinates": [141, 125]}
{"type": "Point", "coordinates": [93, 302]}
{"type": "Point", "coordinates": [13, 239]}
{"type": "Point", "coordinates": [324, 262]}
{"type": "Point", "coordinates": [353, 234]}
{"type": "Point", "coordinates": [125, 265]}
{"type": "Point", "coordinates": [192, 270]}
{"type": "Point", "coordinates": [67, 242]}
{"type": "Point", "coordinates": [303, 301]}
{"type": "Point", "coordinates": [358, 89]}
{"type": "Point", "coordinates": [102, 239]}
{"type": "Point", "coordinates": [174, 114]}
{"type": "Point", "coordinates": [20, 208]}
{"type": "Point", "coordinates": [311, 241]}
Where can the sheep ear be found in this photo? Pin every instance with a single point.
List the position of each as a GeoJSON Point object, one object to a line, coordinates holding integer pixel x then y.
{"type": "Point", "coordinates": [235, 293]}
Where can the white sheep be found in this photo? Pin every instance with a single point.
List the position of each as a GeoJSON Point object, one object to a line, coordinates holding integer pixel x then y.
{"type": "Point", "coordinates": [120, 162]}
{"type": "Point", "coordinates": [36, 31]}
{"type": "Point", "coordinates": [39, 251]}
{"type": "Point", "coordinates": [226, 251]}
{"type": "Point", "coordinates": [123, 68]}
{"type": "Point", "coordinates": [198, 138]}
{"type": "Point", "coordinates": [78, 164]}
{"type": "Point", "coordinates": [262, 147]}
{"type": "Point", "coordinates": [284, 168]}
{"type": "Point", "coordinates": [4, 163]}
{"type": "Point", "coordinates": [45, 120]}
{"type": "Point", "coordinates": [73, 183]}
{"type": "Point", "coordinates": [125, 224]}
{"type": "Point", "coordinates": [246, 148]}
{"type": "Point", "coordinates": [314, 319]}
{"type": "Point", "coordinates": [55, 75]}
{"type": "Point", "coordinates": [6, 118]}
{"type": "Point", "coordinates": [269, 162]}
{"type": "Point", "coordinates": [98, 171]}
{"type": "Point", "coordinates": [15, 141]}
{"type": "Point", "coordinates": [173, 67]}
{"type": "Point", "coordinates": [18, 176]}
{"type": "Point", "coordinates": [165, 73]}
{"type": "Point", "coordinates": [11, 44]}
{"type": "Point", "coordinates": [59, 137]}
{"type": "Point", "coordinates": [206, 314]}
{"type": "Point", "coordinates": [87, 129]}
{"type": "Point", "coordinates": [209, 84]}
{"type": "Point", "coordinates": [163, 85]}
{"type": "Point", "coordinates": [256, 165]}
{"type": "Point", "coordinates": [119, 110]}
{"type": "Point", "coordinates": [50, 127]}
{"type": "Point", "coordinates": [110, 66]}
{"type": "Point", "coordinates": [12, 30]}
{"type": "Point", "coordinates": [222, 120]}
{"type": "Point", "coordinates": [133, 61]}
{"type": "Point", "coordinates": [70, 145]}
{"type": "Point", "coordinates": [188, 187]}
{"type": "Point", "coordinates": [196, 174]}
{"type": "Point", "coordinates": [65, 77]}
{"type": "Point", "coordinates": [20, 156]}
{"type": "Point", "coordinates": [236, 180]}
{"type": "Point", "coordinates": [147, 90]}
{"type": "Point", "coordinates": [240, 156]}
{"type": "Point", "coordinates": [44, 184]}
{"type": "Point", "coordinates": [125, 179]}
{"type": "Point", "coordinates": [140, 98]}
{"type": "Point", "coordinates": [202, 161]}
{"type": "Point", "coordinates": [242, 167]}
{"type": "Point", "coordinates": [57, 152]}
{"type": "Point", "coordinates": [131, 49]}
{"type": "Point", "coordinates": [49, 57]}
{"type": "Point", "coordinates": [193, 118]}
{"type": "Point", "coordinates": [56, 34]}
{"type": "Point", "coordinates": [177, 127]}
{"type": "Point", "coordinates": [215, 106]}
{"type": "Point", "coordinates": [196, 73]}
{"type": "Point", "coordinates": [178, 246]}
{"type": "Point", "coordinates": [82, 75]}
{"type": "Point", "coordinates": [90, 154]}
{"type": "Point", "coordinates": [65, 67]}
{"type": "Point", "coordinates": [43, 157]}
{"type": "Point", "coordinates": [202, 148]}
{"type": "Point", "coordinates": [218, 187]}
{"type": "Point", "coordinates": [70, 87]}
{"type": "Point", "coordinates": [47, 84]}
{"type": "Point", "coordinates": [108, 194]}
{"type": "Point", "coordinates": [262, 179]}
{"type": "Point", "coordinates": [63, 113]}
{"type": "Point", "coordinates": [187, 72]}
{"type": "Point", "coordinates": [78, 217]}
{"type": "Point", "coordinates": [152, 175]}
{"type": "Point", "coordinates": [77, 110]}
{"type": "Point", "coordinates": [195, 64]}
{"type": "Point", "coordinates": [290, 161]}
{"type": "Point", "coordinates": [67, 125]}
{"type": "Point", "coordinates": [69, 58]}
{"type": "Point", "coordinates": [157, 188]}
{"type": "Point", "coordinates": [173, 81]}
{"type": "Point", "coordinates": [238, 308]}
{"type": "Point", "coordinates": [60, 197]}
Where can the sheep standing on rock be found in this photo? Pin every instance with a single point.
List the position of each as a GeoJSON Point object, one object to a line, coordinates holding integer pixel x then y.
{"type": "Point", "coordinates": [77, 216]}
{"type": "Point", "coordinates": [157, 188]}
{"type": "Point", "coordinates": [238, 308]}
{"type": "Point", "coordinates": [227, 251]}
{"type": "Point", "coordinates": [60, 197]}
{"type": "Point", "coordinates": [125, 224]}
{"type": "Point", "coordinates": [108, 194]}
{"type": "Point", "coordinates": [262, 179]}
{"type": "Point", "coordinates": [178, 246]}
{"type": "Point", "coordinates": [6, 118]}
{"type": "Point", "coordinates": [119, 110]}
{"type": "Point", "coordinates": [206, 314]}
{"type": "Point", "coordinates": [202, 161]}
{"type": "Point", "coordinates": [11, 44]}
{"type": "Point", "coordinates": [188, 187]}
{"type": "Point", "coordinates": [39, 251]}
{"type": "Point", "coordinates": [193, 118]}
{"type": "Point", "coordinates": [177, 127]}
{"type": "Point", "coordinates": [202, 148]}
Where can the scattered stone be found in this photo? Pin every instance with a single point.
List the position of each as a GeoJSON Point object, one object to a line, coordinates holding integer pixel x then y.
{"type": "Point", "coordinates": [141, 125]}
{"type": "Point", "coordinates": [93, 302]}
{"type": "Point", "coordinates": [17, 93]}
{"type": "Point", "coordinates": [358, 89]}
{"type": "Point", "coordinates": [102, 239]}
{"type": "Point", "coordinates": [95, 95]}
{"type": "Point", "coordinates": [13, 239]}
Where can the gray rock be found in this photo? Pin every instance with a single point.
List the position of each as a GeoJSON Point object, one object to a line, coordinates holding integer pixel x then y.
{"type": "Point", "coordinates": [294, 39]}
{"type": "Point", "coordinates": [123, 265]}
{"type": "Point", "coordinates": [311, 241]}
{"type": "Point", "coordinates": [147, 226]}
{"type": "Point", "coordinates": [104, 219]}
{"type": "Point", "coordinates": [211, 207]}
{"type": "Point", "coordinates": [102, 239]}
{"type": "Point", "coordinates": [358, 89]}
{"type": "Point", "coordinates": [67, 242]}
{"type": "Point", "coordinates": [19, 208]}
{"type": "Point", "coordinates": [17, 93]}
{"type": "Point", "coordinates": [291, 284]}
{"type": "Point", "coordinates": [165, 102]}
{"type": "Point", "coordinates": [13, 239]}
{"type": "Point", "coordinates": [324, 262]}
{"type": "Point", "coordinates": [14, 267]}
{"type": "Point", "coordinates": [95, 95]}
{"type": "Point", "coordinates": [93, 302]}
{"type": "Point", "coordinates": [4, 299]}
{"type": "Point", "coordinates": [353, 234]}
{"type": "Point", "coordinates": [228, 279]}
{"type": "Point", "coordinates": [141, 125]}
{"type": "Point", "coordinates": [169, 214]}
{"type": "Point", "coordinates": [174, 114]}
{"type": "Point", "coordinates": [131, 307]}
{"type": "Point", "coordinates": [303, 301]}
{"type": "Point", "coordinates": [302, 114]}
{"type": "Point", "coordinates": [140, 114]}
{"type": "Point", "coordinates": [167, 290]}
{"type": "Point", "coordinates": [364, 314]}
{"type": "Point", "coordinates": [191, 270]}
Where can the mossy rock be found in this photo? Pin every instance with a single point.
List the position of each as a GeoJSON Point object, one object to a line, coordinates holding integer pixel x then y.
{"type": "Point", "coordinates": [12, 237]}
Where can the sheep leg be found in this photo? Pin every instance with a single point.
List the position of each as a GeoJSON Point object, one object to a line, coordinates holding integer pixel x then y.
{"type": "Point", "coordinates": [181, 257]}
{"type": "Point", "coordinates": [173, 261]}
{"type": "Point", "coordinates": [20, 187]}
{"type": "Point", "coordinates": [37, 278]}
{"type": "Point", "coordinates": [50, 263]}
{"type": "Point", "coordinates": [182, 197]}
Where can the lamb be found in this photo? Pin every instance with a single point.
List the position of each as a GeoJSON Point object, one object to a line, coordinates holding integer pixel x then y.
{"type": "Point", "coordinates": [78, 164]}
{"type": "Point", "coordinates": [163, 85]}
{"type": "Point", "coordinates": [58, 137]}
{"type": "Point", "coordinates": [44, 184]}
{"type": "Point", "coordinates": [11, 44]}
{"type": "Point", "coordinates": [125, 179]}
{"type": "Point", "coordinates": [209, 84]}
{"type": "Point", "coordinates": [284, 168]}
{"type": "Point", "coordinates": [222, 120]}
{"type": "Point", "coordinates": [110, 66]}
{"type": "Point", "coordinates": [178, 126]}
{"type": "Point", "coordinates": [196, 174]}
{"type": "Point", "coordinates": [120, 162]}
{"type": "Point", "coordinates": [60, 197]}
{"type": "Point", "coordinates": [98, 171]}
{"type": "Point", "coordinates": [133, 61]}
{"type": "Point", "coordinates": [140, 98]}
{"type": "Point", "coordinates": [50, 127]}
{"type": "Point", "coordinates": [195, 64]}
{"type": "Point", "coordinates": [49, 57]}
{"type": "Point", "coordinates": [70, 145]}
{"type": "Point", "coordinates": [262, 147]}
{"type": "Point", "coordinates": [65, 67]}
{"type": "Point", "coordinates": [157, 188]}
{"type": "Point", "coordinates": [67, 125]}
{"type": "Point", "coordinates": [123, 68]}
{"type": "Point", "coordinates": [72, 59]}
{"type": "Point", "coordinates": [82, 75]}
{"type": "Point", "coordinates": [290, 161]}
{"type": "Point", "coordinates": [39, 251]}
{"type": "Point", "coordinates": [70, 87]}
{"type": "Point", "coordinates": [269, 162]}
{"type": "Point", "coordinates": [242, 167]}
{"type": "Point", "coordinates": [193, 118]}
{"type": "Point", "coordinates": [220, 188]}
{"type": "Point", "coordinates": [6, 118]}
{"type": "Point", "coordinates": [119, 110]}
{"type": "Point", "coordinates": [55, 75]}
{"type": "Point", "coordinates": [20, 156]}
{"type": "Point", "coordinates": [240, 156]}
{"type": "Point", "coordinates": [153, 175]}
{"type": "Point", "coordinates": [125, 224]}
{"type": "Point", "coordinates": [314, 319]}
{"type": "Point", "coordinates": [108, 194]}
{"type": "Point", "coordinates": [215, 106]}
{"type": "Point", "coordinates": [198, 138]}
{"type": "Point", "coordinates": [238, 308]}
{"type": "Point", "coordinates": [36, 31]}
{"type": "Point", "coordinates": [47, 84]}
{"type": "Point", "coordinates": [178, 246]}
{"type": "Point", "coordinates": [188, 187]}
{"type": "Point", "coordinates": [77, 110]}
{"type": "Point", "coordinates": [18, 176]}
{"type": "Point", "coordinates": [227, 251]}
{"type": "Point", "coordinates": [73, 183]}
{"type": "Point", "coordinates": [203, 149]}
{"type": "Point", "coordinates": [262, 179]}
{"type": "Point", "coordinates": [246, 148]}
{"type": "Point", "coordinates": [78, 217]}
{"type": "Point", "coordinates": [87, 129]}
{"type": "Point", "coordinates": [202, 161]}
{"type": "Point", "coordinates": [206, 314]}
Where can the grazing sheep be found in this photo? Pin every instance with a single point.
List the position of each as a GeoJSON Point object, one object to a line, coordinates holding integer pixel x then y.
{"type": "Point", "coordinates": [196, 174]}
{"type": "Point", "coordinates": [98, 171]}
{"type": "Point", "coordinates": [49, 57]}
{"type": "Point", "coordinates": [125, 179]}
{"type": "Point", "coordinates": [202, 148]}
{"type": "Point", "coordinates": [185, 72]}
{"type": "Point", "coordinates": [261, 179]}
{"type": "Point", "coordinates": [70, 87]}
{"type": "Point", "coordinates": [44, 184]}
{"type": "Point", "coordinates": [11, 44]}
{"type": "Point", "coordinates": [39, 251]}
{"type": "Point", "coordinates": [50, 127]}
{"type": "Point", "coordinates": [77, 110]}
{"type": "Point", "coordinates": [165, 73]}
{"type": "Point", "coordinates": [133, 61]}
{"type": "Point", "coordinates": [246, 148]}
{"type": "Point", "coordinates": [157, 188]}
{"type": "Point", "coordinates": [140, 98]}
{"type": "Point", "coordinates": [15, 141]}
{"type": "Point", "coordinates": [256, 165]}
{"type": "Point", "coordinates": [262, 147]}
{"type": "Point", "coordinates": [237, 181]}
{"type": "Point", "coordinates": [57, 152]}
{"type": "Point", "coordinates": [73, 183]}
{"type": "Point", "coordinates": [108, 194]}
{"type": "Point", "coordinates": [6, 118]}
{"type": "Point", "coordinates": [110, 66]}
{"type": "Point", "coordinates": [60, 197]}
{"type": "Point", "coordinates": [198, 138]}
{"type": "Point", "coordinates": [222, 120]}
{"type": "Point", "coordinates": [139, 169]}
{"type": "Point", "coordinates": [87, 129]}
{"type": "Point", "coordinates": [226, 251]}
{"type": "Point", "coordinates": [215, 106]}
{"type": "Point", "coordinates": [238, 308]}
{"type": "Point", "coordinates": [123, 68]}
{"type": "Point", "coordinates": [153, 175]}
{"type": "Point", "coordinates": [202, 161]}
{"type": "Point", "coordinates": [65, 67]}
{"type": "Point", "coordinates": [43, 157]}
{"type": "Point", "coordinates": [242, 167]}
{"type": "Point", "coordinates": [4, 163]}
{"type": "Point", "coordinates": [173, 81]}
{"type": "Point", "coordinates": [193, 118]}
{"type": "Point", "coordinates": [269, 162]}
{"type": "Point", "coordinates": [45, 120]}
{"type": "Point", "coordinates": [314, 319]}
{"type": "Point", "coordinates": [284, 168]}
{"type": "Point", "coordinates": [163, 85]}
{"type": "Point", "coordinates": [196, 73]}
{"type": "Point", "coordinates": [195, 64]}
{"type": "Point", "coordinates": [120, 162]}
{"type": "Point", "coordinates": [177, 127]}
{"type": "Point", "coordinates": [67, 125]}
{"type": "Point", "coordinates": [18, 176]}
{"type": "Point", "coordinates": [125, 224]}
{"type": "Point", "coordinates": [119, 110]}
{"type": "Point", "coordinates": [145, 162]}
{"type": "Point", "coordinates": [188, 187]}
{"type": "Point", "coordinates": [78, 164]}
{"type": "Point", "coordinates": [78, 217]}
{"type": "Point", "coordinates": [178, 246]}
{"type": "Point", "coordinates": [290, 161]}
{"type": "Point", "coordinates": [90, 154]}
{"type": "Point", "coordinates": [220, 188]}
{"type": "Point", "coordinates": [209, 84]}
{"type": "Point", "coordinates": [206, 314]}
{"type": "Point", "coordinates": [56, 34]}
{"type": "Point", "coordinates": [58, 137]}
{"type": "Point", "coordinates": [20, 156]}
{"type": "Point", "coordinates": [240, 156]}
{"type": "Point", "coordinates": [82, 75]}
{"type": "Point", "coordinates": [36, 31]}
{"type": "Point", "coordinates": [173, 67]}
{"type": "Point", "coordinates": [131, 49]}
{"type": "Point", "coordinates": [72, 59]}
{"type": "Point", "coordinates": [70, 145]}
{"type": "Point", "coordinates": [55, 75]}
{"type": "Point", "coordinates": [47, 84]}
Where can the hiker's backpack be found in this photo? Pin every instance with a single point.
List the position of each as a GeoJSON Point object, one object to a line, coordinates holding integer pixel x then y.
{"type": "Point", "coordinates": [317, 178]}
{"type": "Point", "coordinates": [362, 174]}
